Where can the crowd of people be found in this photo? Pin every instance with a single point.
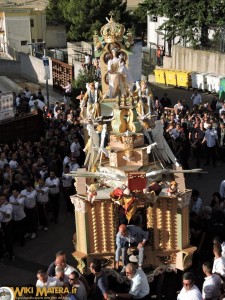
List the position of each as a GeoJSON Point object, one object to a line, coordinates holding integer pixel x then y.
{"type": "Point", "coordinates": [34, 181]}
{"type": "Point", "coordinates": [93, 286]}
{"type": "Point", "coordinates": [35, 185]}
{"type": "Point", "coordinates": [196, 130]}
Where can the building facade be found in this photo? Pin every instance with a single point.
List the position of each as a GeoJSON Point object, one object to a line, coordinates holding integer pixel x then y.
{"type": "Point", "coordinates": [21, 27]}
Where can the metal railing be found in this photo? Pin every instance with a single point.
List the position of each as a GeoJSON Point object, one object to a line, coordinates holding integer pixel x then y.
{"type": "Point", "coordinates": [56, 54]}
{"type": "Point", "coordinates": [13, 53]}
{"type": "Point", "coordinates": [79, 53]}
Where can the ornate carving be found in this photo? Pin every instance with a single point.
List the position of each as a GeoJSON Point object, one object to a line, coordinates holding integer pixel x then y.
{"type": "Point", "coordinates": [79, 204]}
{"type": "Point", "coordinates": [112, 31]}
{"type": "Point", "coordinates": [184, 198]}
{"type": "Point", "coordinates": [81, 265]}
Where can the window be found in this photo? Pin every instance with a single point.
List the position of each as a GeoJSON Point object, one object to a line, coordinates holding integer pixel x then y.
{"type": "Point", "coordinates": [153, 19]}
{"type": "Point", "coordinates": [31, 23]}
{"type": "Point", "coordinates": [33, 40]}
{"type": "Point", "coordinates": [23, 43]}
{"type": "Point", "coordinates": [39, 40]}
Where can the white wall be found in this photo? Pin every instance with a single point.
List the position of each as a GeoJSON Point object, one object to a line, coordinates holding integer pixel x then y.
{"type": "Point", "coordinates": [38, 32]}
{"type": "Point", "coordinates": [56, 37]}
{"type": "Point", "coordinates": [33, 68]}
{"type": "Point", "coordinates": [17, 30]}
{"type": "Point", "coordinates": [135, 62]}
{"type": "Point", "coordinates": [156, 36]}
{"type": "Point", "coordinates": [80, 46]}
{"type": "Point", "coordinates": [152, 35]}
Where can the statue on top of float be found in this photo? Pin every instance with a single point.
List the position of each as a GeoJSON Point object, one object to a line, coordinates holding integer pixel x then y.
{"type": "Point", "coordinates": [120, 79]}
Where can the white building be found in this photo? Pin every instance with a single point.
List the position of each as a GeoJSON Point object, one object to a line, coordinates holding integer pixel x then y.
{"type": "Point", "coordinates": [21, 26]}
{"type": "Point", "coordinates": [155, 36]}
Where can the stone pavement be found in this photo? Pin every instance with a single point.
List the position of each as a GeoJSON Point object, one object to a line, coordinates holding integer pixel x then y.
{"type": "Point", "coordinates": [17, 84]}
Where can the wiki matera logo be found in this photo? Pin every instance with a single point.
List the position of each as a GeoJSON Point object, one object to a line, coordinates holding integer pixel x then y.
{"type": "Point", "coordinates": [6, 293]}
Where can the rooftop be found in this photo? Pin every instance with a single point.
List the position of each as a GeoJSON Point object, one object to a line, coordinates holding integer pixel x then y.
{"type": "Point", "coordinates": [41, 4]}
{"type": "Point", "coordinates": [132, 4]}
{"type": "Point", "coordinates": [31, 4]}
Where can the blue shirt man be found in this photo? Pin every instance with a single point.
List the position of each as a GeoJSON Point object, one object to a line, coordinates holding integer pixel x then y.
{"type": "Point", "coordinates": [130, 235]}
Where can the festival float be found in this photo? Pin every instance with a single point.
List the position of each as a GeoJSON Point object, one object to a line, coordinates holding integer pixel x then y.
{"type": "Point", "coordinates": [130, 172]}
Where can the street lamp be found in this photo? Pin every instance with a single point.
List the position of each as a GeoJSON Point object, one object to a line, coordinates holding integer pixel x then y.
{"type": "Point", "coordinates": [45, 60]}
{"type": "Point", "coordinates": [150, 55]}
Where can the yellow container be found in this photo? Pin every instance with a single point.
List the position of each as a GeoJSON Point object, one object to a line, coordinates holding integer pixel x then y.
{"type": "Point", "coordinates": [184, 79]}
{"type": "Point", "coordinates": [171, 77]}
{"type": "Point", "coordinates": [160, 76]}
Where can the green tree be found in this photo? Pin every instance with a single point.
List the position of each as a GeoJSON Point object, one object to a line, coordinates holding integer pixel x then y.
{"type": "Point", "coordinates": [189, 19]}
{"type": "Point", "coordinates": [86, 16]}
{"type": "Point", "coordinates": [83, 77]}
{"type": "Point", "coordinates": [139, 21]}
{"type": "Point", "coordinates": [53, 13]}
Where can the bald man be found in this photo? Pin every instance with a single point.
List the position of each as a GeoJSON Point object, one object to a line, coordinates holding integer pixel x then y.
{"type": "Point", "coordinates": [60, 261]}
{"type": "Point", "coordinates": [127, 236]}
{"type": "Point", "coordinates": [139, 284]}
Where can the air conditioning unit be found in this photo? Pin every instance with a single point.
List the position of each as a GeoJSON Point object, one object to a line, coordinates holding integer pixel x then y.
{"type": "Point", "coordinates": [154, 19]}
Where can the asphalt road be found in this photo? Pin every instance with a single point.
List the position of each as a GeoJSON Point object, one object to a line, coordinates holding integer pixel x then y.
{"type": "Point", "coordinates": [40, 252]}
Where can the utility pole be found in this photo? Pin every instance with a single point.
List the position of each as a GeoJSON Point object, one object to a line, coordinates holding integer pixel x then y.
{"type": "Point", "coordinates": [47, 73]}
{"type": "Point", "coordinates": [45, 60]}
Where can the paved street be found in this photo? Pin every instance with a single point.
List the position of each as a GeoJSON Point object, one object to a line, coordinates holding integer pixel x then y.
{"type": "Point", "coordinates": [40, 252]}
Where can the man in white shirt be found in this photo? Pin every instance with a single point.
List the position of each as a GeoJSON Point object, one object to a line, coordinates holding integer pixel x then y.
{"type": "Point", "coordinates": [73, 164]}
{"type": "Point", "coordinates": [67, 182]}
{"type": "Point", "coordinates": [42, 200]}
{"type": "Point", "coordinates": [189, 290]}
{"type": "Point", "coordinates": [212, 283]}
{"type": "Point", "coordinates": [68, 90]}
{"type": "Point", "coordinates": [139, 284]}
{"type": "Point", "coordinates": [60, 261]}
{"type": "Point", "coordinates": [38, 104]}
{"type": "Point", "coordinates": [6, 230]}
{"type": "Point", "coordinates": [27, 93]}
{"type": "Point", "coordinates": [31, 103]}
{"type": "Point", "coordinates": [3, 160]}
{"type": "Point", "coordinates": [13, 162]}
{"type": "Point", "coordinates": [211, 139]}
{"type": "Point", "coordinates": [87, 61]}
{"type": "Point", "coordinates": [18, 215]}
{"type": "Point", "coordinates": [66, 159]}
{"type": "Point", "coordinates": [196, 98]}
{"type": "Point", "coordinates": [45, 281]}
{"type": "Point", "coordinates": [18, 99]}
{"type": "Point", "coordinates": [30, 202]}
{"type": "Point", "coordinates": [52, 182]}
{"type": "Point", "coordinates": [60, 275]}
{"type": "Point", "coordinates": [44, 171]}
{"type": "Point", "coordinates": [75, 147]}
{"type": "Point", "coordinates": [219, 261]}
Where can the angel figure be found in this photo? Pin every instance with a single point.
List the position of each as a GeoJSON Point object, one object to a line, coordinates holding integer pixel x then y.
{"type": "Point", "coordinates": [92, 192]}
{"type": "Point", "coordinates": [145, 96]}
{"type": "Point", "coordinates": [172, 189]}
{"type": "Point", "coordinates": [92, 97]}
{"type": "Point", "coordinates": [93, 142]}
